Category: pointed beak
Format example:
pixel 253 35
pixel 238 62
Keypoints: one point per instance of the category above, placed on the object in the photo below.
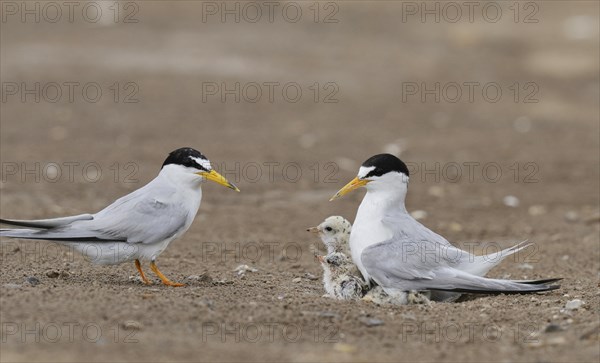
pixel 217 178
pixel 313 229
pixel 354 184
pixel 320 258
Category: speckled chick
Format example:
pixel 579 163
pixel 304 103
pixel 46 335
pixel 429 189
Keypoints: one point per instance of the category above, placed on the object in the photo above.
pixel 341 278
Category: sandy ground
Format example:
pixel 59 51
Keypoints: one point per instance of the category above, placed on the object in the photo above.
pixel 288 158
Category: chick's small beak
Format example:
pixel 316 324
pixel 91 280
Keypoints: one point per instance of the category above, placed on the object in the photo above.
pixel 313 229
pixel 354 184
pixel 217 178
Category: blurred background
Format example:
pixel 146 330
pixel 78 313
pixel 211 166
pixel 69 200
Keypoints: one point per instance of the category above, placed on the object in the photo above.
pixel 494 106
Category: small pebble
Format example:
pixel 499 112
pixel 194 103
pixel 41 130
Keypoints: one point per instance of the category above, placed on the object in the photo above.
pixel 33 281
pixel 242 269
pixel 574 304
pixel 310 276
pixel 205 277
pixel 511 201
pixel 371 321
pixel 296 280
pixel 526 266
pixel 571 216
pixel 328 314
pixel 344 348
pixel 222 282
pixel 52 274
pixel 553 328
pixel 132 325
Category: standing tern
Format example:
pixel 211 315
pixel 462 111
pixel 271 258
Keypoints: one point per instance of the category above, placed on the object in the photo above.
pixel 392 249
pixel 138 226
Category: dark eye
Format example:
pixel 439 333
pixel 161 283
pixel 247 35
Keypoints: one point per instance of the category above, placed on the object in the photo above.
pixel 328 229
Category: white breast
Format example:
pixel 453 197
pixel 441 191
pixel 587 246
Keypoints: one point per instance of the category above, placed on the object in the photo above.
pixel 367 230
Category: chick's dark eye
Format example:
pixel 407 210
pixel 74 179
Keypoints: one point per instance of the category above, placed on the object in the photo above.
pixel 328 229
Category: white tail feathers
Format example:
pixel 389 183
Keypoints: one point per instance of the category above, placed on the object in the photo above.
pixel 484 263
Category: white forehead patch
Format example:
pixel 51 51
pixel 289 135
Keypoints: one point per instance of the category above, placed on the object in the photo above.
pixel 364 170
pixel 205 163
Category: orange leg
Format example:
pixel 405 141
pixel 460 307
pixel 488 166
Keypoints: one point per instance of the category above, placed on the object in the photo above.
pixel 138 265
pixel 164 279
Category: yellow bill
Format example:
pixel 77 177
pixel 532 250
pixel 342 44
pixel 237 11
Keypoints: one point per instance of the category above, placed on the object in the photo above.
pixel 218 178
pixel 354 184
pixel 313 229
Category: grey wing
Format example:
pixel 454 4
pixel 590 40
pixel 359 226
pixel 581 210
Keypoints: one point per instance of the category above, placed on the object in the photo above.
pixel 406 265
pixel 404 226
pixel 135 218
pixel 396 264
pixel 142 219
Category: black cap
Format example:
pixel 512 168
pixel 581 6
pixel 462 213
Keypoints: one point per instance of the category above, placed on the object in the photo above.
pixel 186 156
pixel 385 163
